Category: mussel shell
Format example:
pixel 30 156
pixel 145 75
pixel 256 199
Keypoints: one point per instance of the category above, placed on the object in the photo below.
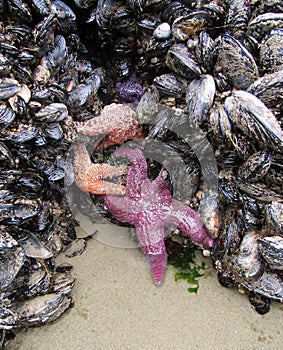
pixel 271 58
pixel 262 24
pixel 8 88
pixel 181 62
pixel 189 25
pixel 54 131
pixel 62 11
pixel 20 133
pixel 20 9
pixel 199 97
pixel 15 214
pixel 269 285
pixel 54 112
pixel 247 263
pixel 7 115
pixel 253 118
pixel 5 65
pixel 205 51
pixel 42 309
pixel 170 84
pixel 271 248
pixel 269 89
pixel 41 7
pixel 11 257
pixel 274 212
pixel 56 55
pixel 32 245
pixel 256 166
pixel 235 62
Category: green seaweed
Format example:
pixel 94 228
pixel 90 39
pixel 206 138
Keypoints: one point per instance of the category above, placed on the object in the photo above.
pixel 187 268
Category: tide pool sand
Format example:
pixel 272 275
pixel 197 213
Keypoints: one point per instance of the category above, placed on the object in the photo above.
pixel 117 306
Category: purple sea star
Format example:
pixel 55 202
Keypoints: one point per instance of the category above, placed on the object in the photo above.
pixel 129 91
pixel 149 206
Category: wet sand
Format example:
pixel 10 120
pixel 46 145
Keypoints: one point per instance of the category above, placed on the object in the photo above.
pixel 117 307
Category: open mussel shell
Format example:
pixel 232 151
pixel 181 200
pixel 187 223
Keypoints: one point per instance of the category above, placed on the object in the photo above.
pixel 32 245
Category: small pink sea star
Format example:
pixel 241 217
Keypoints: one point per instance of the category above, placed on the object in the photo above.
pixel 149 206
pixel 117 121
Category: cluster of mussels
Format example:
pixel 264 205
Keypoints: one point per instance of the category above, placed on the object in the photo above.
pixel 218 64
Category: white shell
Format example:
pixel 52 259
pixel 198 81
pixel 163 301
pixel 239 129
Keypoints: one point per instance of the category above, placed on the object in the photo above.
pixel 163 31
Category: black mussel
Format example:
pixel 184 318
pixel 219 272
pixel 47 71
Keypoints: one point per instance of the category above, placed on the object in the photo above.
pixel 17 213
pixel 136 5
pixel 7 115
pixel 274 213
pixel 181 62
pixel 5 65
pixel 271 59
pixel 53 131
pixel 237 17
pixel 19 9
pixel 170 84
pixel 199 97
pixel 271 248
pixel 205 51
pixel 235 62
pixel 256 166
pixel 8 88
pixel 42 7
pixel 11 257
pixel 260 303
pixel 51 113
pixel 32 245
pixel 255 120
pixel 20 133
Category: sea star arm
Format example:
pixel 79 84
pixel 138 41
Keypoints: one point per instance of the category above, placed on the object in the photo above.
pixel 119 136
pixel 152 244
pixel 137 172
pixel 89 176
pixel 122 209
pixel 187 220
pixel 113 117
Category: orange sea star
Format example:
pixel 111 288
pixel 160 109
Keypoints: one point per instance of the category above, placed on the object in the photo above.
pixel 90 177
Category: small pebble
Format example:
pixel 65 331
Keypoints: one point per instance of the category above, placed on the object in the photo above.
pixel 163 31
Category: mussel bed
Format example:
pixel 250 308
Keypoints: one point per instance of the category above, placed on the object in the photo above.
pixel 215 64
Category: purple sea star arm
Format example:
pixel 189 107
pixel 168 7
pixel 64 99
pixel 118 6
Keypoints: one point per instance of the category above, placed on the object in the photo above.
pixel 122 209
pixel 137 173
pixel 187 220
pixel 160 188
pixel 151 239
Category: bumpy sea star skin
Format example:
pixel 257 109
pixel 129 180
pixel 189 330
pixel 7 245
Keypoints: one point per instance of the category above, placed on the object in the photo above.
pixel 130 91
pixel 149 206
pixel 117 121
pixel 89 176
